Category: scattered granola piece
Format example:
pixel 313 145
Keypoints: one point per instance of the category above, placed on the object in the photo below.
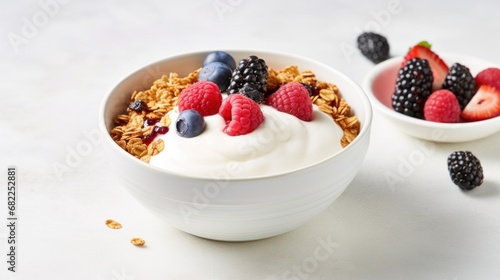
pixel 113 224
pixel 137 241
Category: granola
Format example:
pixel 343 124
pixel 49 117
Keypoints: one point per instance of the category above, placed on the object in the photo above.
pixel 113 224
pixel 130 132
pixel 137 241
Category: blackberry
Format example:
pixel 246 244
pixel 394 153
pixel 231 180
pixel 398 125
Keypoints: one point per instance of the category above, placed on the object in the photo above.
pixel 460 81
pixel 373 46
pixel 465 170
pixel 413 87
pixel 250 72
pixel 138 105
pixel 250 91
pixel 313 91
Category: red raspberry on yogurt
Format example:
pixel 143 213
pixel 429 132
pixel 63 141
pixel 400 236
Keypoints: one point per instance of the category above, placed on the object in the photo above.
pixel 292 98
pixel 203 97
pixel 242 115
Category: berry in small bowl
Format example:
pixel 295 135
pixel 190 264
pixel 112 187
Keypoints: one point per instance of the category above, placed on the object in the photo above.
pixel 412 93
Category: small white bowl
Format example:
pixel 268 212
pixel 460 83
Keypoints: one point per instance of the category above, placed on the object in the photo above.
pixel 236 209
pixel 379 85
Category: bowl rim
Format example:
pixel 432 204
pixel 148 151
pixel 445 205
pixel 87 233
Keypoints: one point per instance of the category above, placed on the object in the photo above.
pixel 365 102
pixel 392 62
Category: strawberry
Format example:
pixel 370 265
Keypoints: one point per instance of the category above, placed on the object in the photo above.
pixel 442 106
pixel 485 104
pixel 489 76
pixel 438 66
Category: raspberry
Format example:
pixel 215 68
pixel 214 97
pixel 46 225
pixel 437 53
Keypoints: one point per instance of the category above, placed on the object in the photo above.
pixel 465 170
pixel 292 98
pixel 242 115
pixel 202 96
pixel 489 76
pixel 442 106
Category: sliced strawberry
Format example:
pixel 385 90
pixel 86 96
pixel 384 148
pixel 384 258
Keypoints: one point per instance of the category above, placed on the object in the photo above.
pixel 485 104
pixel 438 66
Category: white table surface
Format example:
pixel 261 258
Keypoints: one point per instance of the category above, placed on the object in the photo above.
pixel 59 59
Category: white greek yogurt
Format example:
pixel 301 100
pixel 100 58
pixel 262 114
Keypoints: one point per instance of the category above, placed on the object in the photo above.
pixel 282 143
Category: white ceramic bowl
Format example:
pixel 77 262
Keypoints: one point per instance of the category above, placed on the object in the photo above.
pixel 233 209
pixel 379 85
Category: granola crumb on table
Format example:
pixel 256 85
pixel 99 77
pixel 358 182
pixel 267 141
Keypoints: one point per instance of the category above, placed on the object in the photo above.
pixel 113 224
pixel 137 241
pixel 162 97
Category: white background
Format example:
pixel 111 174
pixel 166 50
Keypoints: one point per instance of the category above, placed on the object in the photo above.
pixel 58 60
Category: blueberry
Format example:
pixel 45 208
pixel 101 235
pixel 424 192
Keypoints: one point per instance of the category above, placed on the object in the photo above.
pixel 220 56
pixel 218 73
pixel 190 123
